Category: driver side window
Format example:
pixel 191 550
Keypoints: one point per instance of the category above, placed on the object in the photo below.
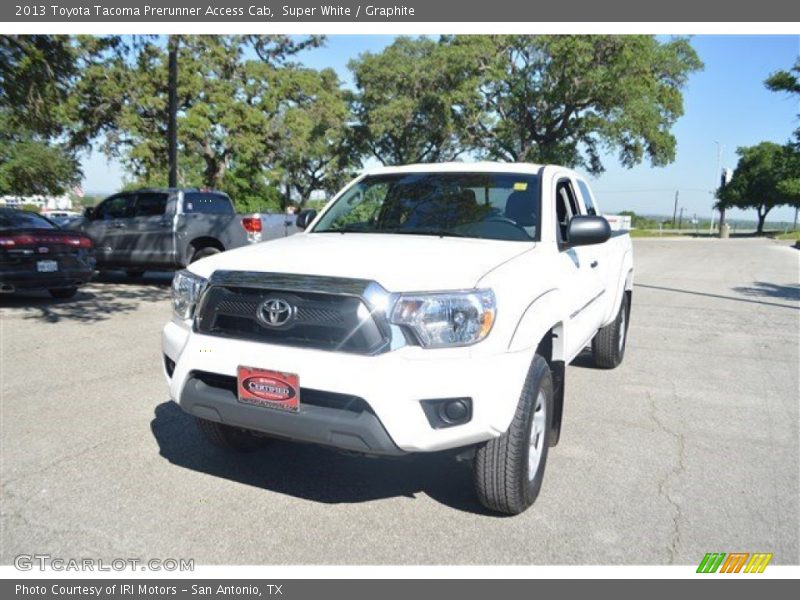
pixel 116 207
pixel 566 208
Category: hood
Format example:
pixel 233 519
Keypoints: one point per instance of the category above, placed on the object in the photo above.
pixel 397 262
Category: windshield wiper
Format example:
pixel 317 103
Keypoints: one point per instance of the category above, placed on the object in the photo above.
pixel 440 231
pixel 345 229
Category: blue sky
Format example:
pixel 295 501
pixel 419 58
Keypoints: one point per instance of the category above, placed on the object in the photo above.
pixel 726 103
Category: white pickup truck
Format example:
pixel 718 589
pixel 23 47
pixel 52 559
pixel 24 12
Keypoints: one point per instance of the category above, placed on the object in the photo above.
pixel 426 308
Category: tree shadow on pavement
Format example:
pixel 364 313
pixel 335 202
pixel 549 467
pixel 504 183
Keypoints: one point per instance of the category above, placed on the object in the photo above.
pixel 315 473
pixel 752 300
pixel 109 295
pixel 763 289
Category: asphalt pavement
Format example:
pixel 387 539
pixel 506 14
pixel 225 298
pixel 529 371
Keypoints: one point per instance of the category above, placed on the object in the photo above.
pixel 691 446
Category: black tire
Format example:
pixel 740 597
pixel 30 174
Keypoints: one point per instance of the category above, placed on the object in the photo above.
pixel 501 469
pixel 134 273
pixel 608 345
pixel 203 253
pixel 230 438
pixel 63 293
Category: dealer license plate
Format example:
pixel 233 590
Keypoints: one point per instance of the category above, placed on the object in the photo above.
pixel 271 389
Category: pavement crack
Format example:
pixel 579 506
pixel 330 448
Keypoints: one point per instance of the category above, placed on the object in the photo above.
pixel 665 482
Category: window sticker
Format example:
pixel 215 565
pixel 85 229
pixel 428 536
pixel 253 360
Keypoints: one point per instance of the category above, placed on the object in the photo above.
pixel 520 186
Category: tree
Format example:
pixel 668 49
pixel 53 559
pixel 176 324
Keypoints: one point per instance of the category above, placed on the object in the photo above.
pixel 316 151
pixel 564 99
pixel 31 167
pixel 763 179
pixel 787 81
pixel 36 76
pixel 228 110
pixel 404 103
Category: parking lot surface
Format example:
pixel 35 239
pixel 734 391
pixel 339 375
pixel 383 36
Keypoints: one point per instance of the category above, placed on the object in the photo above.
pixel 691 446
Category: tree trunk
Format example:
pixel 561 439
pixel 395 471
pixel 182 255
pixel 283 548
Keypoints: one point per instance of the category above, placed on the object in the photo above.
pixel 762 217
pixel 721 219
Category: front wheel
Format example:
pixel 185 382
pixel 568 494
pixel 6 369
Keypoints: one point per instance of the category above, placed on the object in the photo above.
pixel 508 470
pixel 608 345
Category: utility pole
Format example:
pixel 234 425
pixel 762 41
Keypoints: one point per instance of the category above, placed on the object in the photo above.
pixel 718 178
pixel 680 220
pixel 172 123
pixel 675 210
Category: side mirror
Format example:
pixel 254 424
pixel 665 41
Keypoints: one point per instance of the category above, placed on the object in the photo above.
pixel 588 230
pixel 305 218
pixel 88 212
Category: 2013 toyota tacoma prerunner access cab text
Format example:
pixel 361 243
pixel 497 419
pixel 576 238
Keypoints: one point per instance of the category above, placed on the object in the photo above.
pixel 426 308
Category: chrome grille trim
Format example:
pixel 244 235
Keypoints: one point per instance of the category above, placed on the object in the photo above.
pixel 374 297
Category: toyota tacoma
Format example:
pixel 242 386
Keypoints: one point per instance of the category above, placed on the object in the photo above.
pixel 426 308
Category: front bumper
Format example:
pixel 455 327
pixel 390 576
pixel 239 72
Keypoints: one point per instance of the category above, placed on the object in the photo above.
pixel 392 384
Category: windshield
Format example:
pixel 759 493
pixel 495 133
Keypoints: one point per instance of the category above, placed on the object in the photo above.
pixel 497 206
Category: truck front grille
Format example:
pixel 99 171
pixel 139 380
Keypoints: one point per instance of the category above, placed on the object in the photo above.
pixel 319 320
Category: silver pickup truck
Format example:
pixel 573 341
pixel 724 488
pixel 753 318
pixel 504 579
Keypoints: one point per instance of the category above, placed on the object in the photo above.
pixel 168 228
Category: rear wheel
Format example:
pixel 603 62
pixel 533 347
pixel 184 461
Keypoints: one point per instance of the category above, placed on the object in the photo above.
pixel 508 470
pixel 230 438
pixel 204 252
pixel 608 346
pixel 63 293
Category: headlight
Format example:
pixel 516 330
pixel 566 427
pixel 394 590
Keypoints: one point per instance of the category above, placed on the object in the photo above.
pixel 186 288
pixel 447 318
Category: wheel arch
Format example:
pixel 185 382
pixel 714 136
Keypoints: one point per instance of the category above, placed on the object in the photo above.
pixel 551 348
pixel 200 242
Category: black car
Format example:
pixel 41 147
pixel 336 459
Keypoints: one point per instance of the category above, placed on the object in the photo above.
pixel 36 254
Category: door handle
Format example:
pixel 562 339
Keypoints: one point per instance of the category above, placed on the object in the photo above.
pixel 119 226
pixel 593 264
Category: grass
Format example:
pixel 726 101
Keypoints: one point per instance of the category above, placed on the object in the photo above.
pixel 791 235
pixel 654 233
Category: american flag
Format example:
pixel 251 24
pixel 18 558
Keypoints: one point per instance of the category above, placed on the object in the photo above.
pixel 78 190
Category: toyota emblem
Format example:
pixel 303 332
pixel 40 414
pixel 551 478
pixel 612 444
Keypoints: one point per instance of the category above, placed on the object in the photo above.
pixel 275 312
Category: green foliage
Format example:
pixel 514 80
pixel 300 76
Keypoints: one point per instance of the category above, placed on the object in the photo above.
pixel 235 114
pixel 638 221
pixel 766 176
pixel 404 103
pixel 787 81
pixel 563 99
pixel 31 207
pixel 315 151
pixel 30 166
pixel 36 75
pixel 270 132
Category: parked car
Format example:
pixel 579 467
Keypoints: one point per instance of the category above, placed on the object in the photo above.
pixel 170 228
pixel 36 254
pixel 427 308
pixel 60 217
